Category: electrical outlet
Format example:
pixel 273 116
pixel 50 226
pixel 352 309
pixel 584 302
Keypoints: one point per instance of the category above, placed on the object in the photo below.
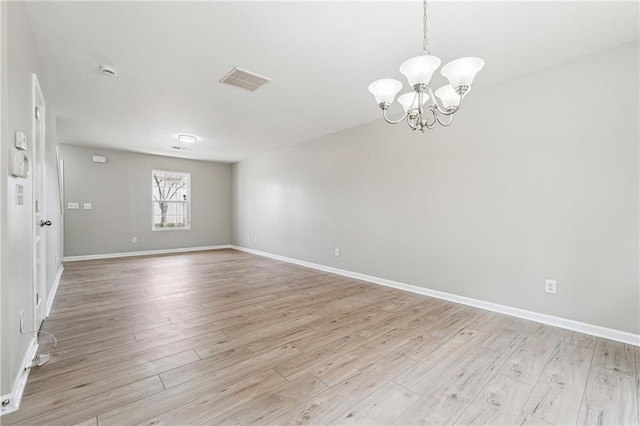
pixel 256 239
pixel 87 206
pixel 73 206
pixel 134 240
pixel 248 238
pixel 550 286
pixel 22 321
pixel 337 252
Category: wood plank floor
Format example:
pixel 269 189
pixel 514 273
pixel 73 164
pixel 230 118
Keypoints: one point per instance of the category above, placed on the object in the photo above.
pixel 225 337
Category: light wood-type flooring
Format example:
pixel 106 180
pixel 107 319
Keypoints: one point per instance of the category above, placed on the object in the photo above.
pixel 225 337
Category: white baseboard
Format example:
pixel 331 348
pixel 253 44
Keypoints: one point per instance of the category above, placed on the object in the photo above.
pixel 54 289
pixel 142 253
pixel 20 381
pixel 22 375
pixel 594 330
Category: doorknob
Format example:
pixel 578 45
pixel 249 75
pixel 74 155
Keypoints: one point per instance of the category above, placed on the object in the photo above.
pixel 45 223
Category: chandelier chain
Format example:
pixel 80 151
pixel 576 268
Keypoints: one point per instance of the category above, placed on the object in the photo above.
pixel 425 51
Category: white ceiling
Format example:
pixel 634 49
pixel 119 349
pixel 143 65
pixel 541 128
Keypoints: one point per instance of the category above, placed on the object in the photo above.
pixel 321 56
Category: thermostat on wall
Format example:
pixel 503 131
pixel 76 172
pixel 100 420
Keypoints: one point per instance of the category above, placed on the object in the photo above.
pixel 21 141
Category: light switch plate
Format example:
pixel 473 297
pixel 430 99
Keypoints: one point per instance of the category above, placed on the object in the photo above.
pixel 19 165
pixel 21 141
pixel 87 206
pixel 73 206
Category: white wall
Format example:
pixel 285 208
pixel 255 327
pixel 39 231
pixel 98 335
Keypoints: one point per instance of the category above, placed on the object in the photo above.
pixel 120 194
pixel 537 178
pixel 19 61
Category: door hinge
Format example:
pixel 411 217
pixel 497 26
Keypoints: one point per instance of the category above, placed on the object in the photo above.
pixel 37 113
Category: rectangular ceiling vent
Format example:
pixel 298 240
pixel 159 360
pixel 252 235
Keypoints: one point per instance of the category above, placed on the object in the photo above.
pixel 244 79
pixel 181 148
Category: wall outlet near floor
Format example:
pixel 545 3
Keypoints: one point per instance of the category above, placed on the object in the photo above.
pixel 337 252
pixel 248 237
pixel 550 286
pixel 21 320
pixel 256 239
pixel 134 240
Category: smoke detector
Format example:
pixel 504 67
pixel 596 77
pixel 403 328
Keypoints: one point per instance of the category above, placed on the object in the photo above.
pixel 108 71
pixel 244 79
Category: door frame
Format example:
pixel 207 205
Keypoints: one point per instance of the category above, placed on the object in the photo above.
pixel 38 132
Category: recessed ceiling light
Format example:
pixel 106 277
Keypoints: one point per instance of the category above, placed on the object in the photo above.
pixel 187 138
pixel 108 71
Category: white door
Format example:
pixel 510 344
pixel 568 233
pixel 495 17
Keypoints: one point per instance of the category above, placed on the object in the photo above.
pixel 40 220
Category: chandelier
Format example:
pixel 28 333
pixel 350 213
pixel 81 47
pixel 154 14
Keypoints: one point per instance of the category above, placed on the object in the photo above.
pixel 421 109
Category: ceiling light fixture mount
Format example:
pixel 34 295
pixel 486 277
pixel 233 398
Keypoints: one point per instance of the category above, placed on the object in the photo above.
pixel 187 138
pixel 422 110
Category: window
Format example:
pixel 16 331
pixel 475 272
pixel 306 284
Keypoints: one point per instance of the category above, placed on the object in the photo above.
pixel 171 200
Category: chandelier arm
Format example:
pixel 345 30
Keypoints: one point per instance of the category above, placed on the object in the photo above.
pixel 434 115
pixel 384 115
pixel 445 123
pixel 451 110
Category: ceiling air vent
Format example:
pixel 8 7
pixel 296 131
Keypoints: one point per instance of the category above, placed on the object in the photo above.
pixel 181 148
pixel 244 79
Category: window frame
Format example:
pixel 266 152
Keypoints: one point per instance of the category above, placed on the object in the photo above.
pixel 155 202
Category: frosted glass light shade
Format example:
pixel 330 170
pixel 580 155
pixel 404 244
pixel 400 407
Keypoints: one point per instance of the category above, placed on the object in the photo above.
pixel 385 90
pixel 448 96
pixel 461 72
pixel 409 101
pixel 420 69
